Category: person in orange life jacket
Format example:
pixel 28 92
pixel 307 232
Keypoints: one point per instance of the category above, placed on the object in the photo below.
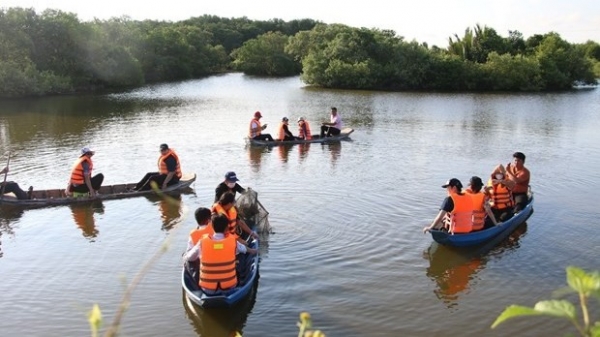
pixel 284 132
pixel 519 174
pixel 334 126
pixel 499 188
pixel 481 204
pixel 225 205
pixel 203 228
pixel 217 255
pixel 255 130
pixel 456 210
pixel 169 171
pixel 13 187
pixel 81 180
pixel 228 185
pixel 303 129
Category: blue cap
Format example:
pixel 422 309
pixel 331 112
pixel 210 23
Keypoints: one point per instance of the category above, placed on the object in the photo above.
pixel 231 176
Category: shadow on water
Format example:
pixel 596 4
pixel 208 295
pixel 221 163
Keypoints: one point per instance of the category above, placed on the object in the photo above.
pixel 8 216
pixel 84 217
pixel 220 322
pixel 171 212
pixel 455 269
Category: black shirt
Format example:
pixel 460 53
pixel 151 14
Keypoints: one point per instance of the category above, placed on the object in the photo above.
pixel 447 205
pixel 222 188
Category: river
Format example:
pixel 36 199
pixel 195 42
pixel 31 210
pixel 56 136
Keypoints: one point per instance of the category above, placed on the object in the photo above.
pixel 347 217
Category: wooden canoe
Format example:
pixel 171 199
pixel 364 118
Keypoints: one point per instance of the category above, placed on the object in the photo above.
pixel 53 197
pixel 485 235
pixel 344 134
pixel 229 298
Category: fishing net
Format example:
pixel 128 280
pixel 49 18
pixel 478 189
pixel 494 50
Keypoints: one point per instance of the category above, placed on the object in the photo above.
pixel 253 212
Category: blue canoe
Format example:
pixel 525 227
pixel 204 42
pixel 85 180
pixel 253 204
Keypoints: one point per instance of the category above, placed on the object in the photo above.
pixel 479 237
pixel 226 298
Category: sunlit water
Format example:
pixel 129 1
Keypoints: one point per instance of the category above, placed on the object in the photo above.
pixel 348 245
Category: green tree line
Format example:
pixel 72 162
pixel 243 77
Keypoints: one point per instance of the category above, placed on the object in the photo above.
pixel 54 52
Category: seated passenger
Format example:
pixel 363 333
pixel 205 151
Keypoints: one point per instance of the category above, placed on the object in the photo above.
pixel 13 187
pixel 481 204
pixel 255 131
pixel 236 226
pixel 204 228
pixel 456 212
pixel 500 191
pixel 284 130
pixel 519 174
pixel 304 129
pixel 217 254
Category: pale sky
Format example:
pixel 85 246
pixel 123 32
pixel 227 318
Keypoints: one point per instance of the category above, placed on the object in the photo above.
pixel 431 21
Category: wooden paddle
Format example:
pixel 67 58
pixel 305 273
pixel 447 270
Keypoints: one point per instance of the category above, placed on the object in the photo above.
pixel 5 175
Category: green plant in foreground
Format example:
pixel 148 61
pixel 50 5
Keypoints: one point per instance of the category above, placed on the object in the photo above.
pixel 305 325
pixel 585 284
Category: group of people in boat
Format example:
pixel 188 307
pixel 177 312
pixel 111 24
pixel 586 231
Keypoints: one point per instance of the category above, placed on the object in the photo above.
pixel 328 129
pixel 219 246
pixel 82 181
pixel 479 207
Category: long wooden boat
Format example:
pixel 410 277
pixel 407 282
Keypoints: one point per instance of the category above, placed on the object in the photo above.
pixel 485 235
pixel 53 197
pixel 344 134
pixel 228 298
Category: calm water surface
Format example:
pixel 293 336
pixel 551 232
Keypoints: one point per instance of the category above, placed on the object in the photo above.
pixel 347 217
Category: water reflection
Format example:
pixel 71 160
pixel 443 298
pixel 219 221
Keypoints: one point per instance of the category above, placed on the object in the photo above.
pixel 454 270
pixel 8 216
pixel 170 210
pixel 303 151
pixel 255 155
pixel 335 151
pixel 284 152
pixel 84 217
pixel 220 322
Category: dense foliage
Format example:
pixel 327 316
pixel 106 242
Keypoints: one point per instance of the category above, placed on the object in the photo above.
pixel 54 52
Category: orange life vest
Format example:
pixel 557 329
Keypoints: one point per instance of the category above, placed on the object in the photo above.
pixel 197 234
pixel 281 135
pixel 217 264
pixel 231 215
pixel 254 132
pixel 478 208
pixel 162 165
pixel 304 130
pixel 460 219
pixel 501 196
pixel 77 170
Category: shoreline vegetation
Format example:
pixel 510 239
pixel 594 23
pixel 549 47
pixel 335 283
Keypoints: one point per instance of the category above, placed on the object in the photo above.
pixel 53 52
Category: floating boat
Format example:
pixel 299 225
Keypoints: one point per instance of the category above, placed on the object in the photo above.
pixel 246 282
pixel 485 235
pixel 53 197
pixel 344 134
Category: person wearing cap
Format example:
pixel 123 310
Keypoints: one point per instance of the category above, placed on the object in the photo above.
pixel 303 129
pixel 169 171
pixel 81 180
pixel 226 205
pixel 228 185
pixel 481 204
pixel 284 130
pixel 13 187
pixel 255 130
pixel 519 174
pixel 499 188
pixel 456 212
pixel 334 126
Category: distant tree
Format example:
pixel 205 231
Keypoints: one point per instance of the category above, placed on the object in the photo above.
pixel 266 56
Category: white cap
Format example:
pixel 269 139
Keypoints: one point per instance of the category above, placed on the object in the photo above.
pixel 86 150
pixel 300 118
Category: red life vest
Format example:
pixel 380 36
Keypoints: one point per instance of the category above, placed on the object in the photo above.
pixel 77 170
pixel 217 264
pixel 162 165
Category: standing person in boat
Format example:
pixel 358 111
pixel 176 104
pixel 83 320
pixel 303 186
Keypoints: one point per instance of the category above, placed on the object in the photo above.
pixel 226 206
pixel 481 205
pixel 303 129
pixel 456 211
pixel 255 130
pixel 334 126
pixel 81 175
pixel 169 171
pixel 284 132
pixel 13 187
pixel 519 174
pixel 228 185
pixel 217 255
pixel 499 188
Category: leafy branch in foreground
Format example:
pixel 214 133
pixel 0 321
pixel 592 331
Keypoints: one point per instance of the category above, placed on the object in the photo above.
pixel 586 285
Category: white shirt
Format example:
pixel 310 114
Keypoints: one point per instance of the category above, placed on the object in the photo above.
pixel 196 251
pixel 337 120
